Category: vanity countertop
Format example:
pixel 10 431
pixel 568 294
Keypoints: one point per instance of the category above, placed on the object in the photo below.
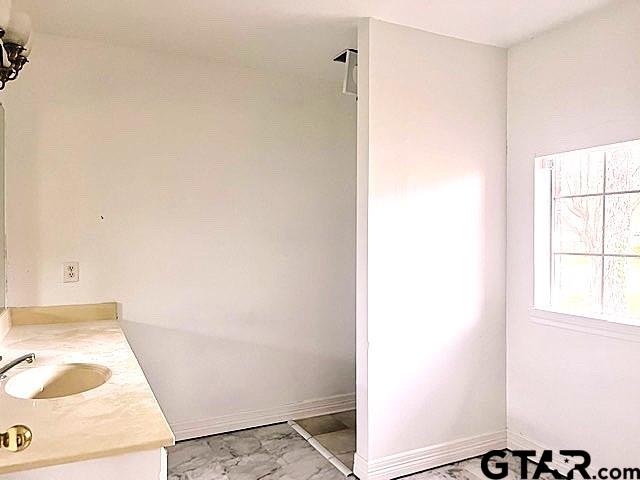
pixel 119 417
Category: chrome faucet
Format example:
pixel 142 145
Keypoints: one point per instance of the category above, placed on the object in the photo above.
pixel 29 358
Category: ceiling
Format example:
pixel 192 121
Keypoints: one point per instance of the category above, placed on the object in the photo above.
pixel 300 35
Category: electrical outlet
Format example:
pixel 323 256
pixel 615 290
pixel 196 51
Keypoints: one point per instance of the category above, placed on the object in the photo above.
pixel 71 272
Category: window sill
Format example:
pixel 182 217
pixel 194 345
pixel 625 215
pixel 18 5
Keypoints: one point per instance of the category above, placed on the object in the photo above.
pixel 589 325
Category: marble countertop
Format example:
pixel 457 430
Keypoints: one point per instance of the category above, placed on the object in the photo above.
pixel 121 416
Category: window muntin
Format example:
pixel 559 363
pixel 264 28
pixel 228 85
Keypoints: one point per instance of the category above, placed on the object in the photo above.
pixel 588 247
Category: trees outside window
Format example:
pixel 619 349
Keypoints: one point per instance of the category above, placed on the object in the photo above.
pixel 593 201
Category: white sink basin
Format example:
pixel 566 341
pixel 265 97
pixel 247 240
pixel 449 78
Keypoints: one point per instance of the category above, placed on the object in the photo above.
pixel 55 381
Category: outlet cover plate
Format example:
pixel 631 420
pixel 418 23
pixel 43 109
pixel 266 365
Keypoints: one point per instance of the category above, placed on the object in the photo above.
pixel 71 272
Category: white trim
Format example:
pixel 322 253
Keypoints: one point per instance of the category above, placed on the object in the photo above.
pixel 255 418
pixel 414 461
pixel 336 462
pixel 360 468
pixel 301 431
pixel 584 324
pixel 516 441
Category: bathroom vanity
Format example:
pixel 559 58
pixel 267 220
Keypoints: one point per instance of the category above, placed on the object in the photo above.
pixel 85 399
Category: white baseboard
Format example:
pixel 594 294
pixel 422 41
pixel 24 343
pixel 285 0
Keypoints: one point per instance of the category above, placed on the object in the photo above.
pixel 415 461
pixel 256 418
pixel 516 441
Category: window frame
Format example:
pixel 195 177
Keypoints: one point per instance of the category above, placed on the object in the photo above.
pixel 545 198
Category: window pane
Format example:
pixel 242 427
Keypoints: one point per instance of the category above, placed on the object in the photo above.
pixel 623 168
pixel 577 283
pixel 578 225
pixel 622 234
pixel 622 287
pixel 578 173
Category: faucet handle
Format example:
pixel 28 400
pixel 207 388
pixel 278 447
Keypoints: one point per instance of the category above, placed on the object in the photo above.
pixel 16 438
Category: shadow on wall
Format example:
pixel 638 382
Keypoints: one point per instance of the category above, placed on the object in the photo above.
pixel 205 376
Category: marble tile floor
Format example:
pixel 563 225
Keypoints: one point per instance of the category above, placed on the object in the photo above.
pixel 275 452
pixel 470 470
pixel 278 452
pixel 334 436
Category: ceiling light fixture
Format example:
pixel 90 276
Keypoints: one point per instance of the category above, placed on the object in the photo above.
pixel 15 42
pixel 350 58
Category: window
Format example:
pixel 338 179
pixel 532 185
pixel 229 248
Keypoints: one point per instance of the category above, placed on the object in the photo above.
pixel 587 232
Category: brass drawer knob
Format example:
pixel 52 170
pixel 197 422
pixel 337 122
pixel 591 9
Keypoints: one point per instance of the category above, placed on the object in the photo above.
pixel 16 438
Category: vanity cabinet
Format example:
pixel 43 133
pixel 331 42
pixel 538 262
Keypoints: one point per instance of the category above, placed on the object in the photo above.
pixel 146 465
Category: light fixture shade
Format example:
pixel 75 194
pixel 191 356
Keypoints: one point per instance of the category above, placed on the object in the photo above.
pixel 27 48
pixel 350 84
pixel 5 13
pixel 19 31
pixel 4 57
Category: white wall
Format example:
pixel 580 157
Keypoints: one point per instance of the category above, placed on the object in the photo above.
pixel 3 259
pixel 573 87
pixel 362 240
pixel 433 130
pixel 216 204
